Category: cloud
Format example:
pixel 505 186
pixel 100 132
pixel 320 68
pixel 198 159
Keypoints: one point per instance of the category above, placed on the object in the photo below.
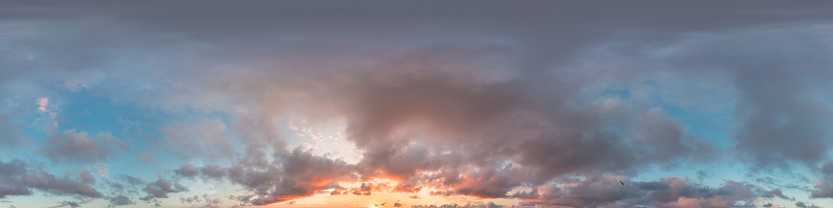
pixel 205 139
pixel 779 109
pixel 73 146
pixel 208 172
pixel 161 188
pixel 10 133
pixel 803 205
pixel 73 204
pixel 776 193
pixel 666 192
pixel 463 107
pixel 19 178
pixel 404 110
pixel 130 179
pixel 120 200
pixel 488 205
pixel 823 188
pixel 187 170
pixel 301 174
pixel 42 104
pixel 199 199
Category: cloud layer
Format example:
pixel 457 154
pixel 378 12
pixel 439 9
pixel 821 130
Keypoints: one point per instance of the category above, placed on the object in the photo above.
pixel 550 105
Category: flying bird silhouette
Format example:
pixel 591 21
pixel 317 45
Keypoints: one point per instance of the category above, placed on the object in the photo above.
pixel 622 183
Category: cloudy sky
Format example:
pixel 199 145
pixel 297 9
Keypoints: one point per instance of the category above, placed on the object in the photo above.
pixel 416 103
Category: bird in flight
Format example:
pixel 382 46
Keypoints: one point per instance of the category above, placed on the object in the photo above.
pixel 622 183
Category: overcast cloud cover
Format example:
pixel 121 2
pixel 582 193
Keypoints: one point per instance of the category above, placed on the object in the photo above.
pixel 416 103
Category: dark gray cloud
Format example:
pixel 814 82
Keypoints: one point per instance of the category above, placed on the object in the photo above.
pixel 19 178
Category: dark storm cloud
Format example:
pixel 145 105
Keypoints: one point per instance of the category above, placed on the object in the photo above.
pixel 19 178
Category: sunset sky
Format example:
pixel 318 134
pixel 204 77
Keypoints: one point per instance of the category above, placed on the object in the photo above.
pixel 416 104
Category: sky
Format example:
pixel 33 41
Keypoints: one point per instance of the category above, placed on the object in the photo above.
pixel 372 104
